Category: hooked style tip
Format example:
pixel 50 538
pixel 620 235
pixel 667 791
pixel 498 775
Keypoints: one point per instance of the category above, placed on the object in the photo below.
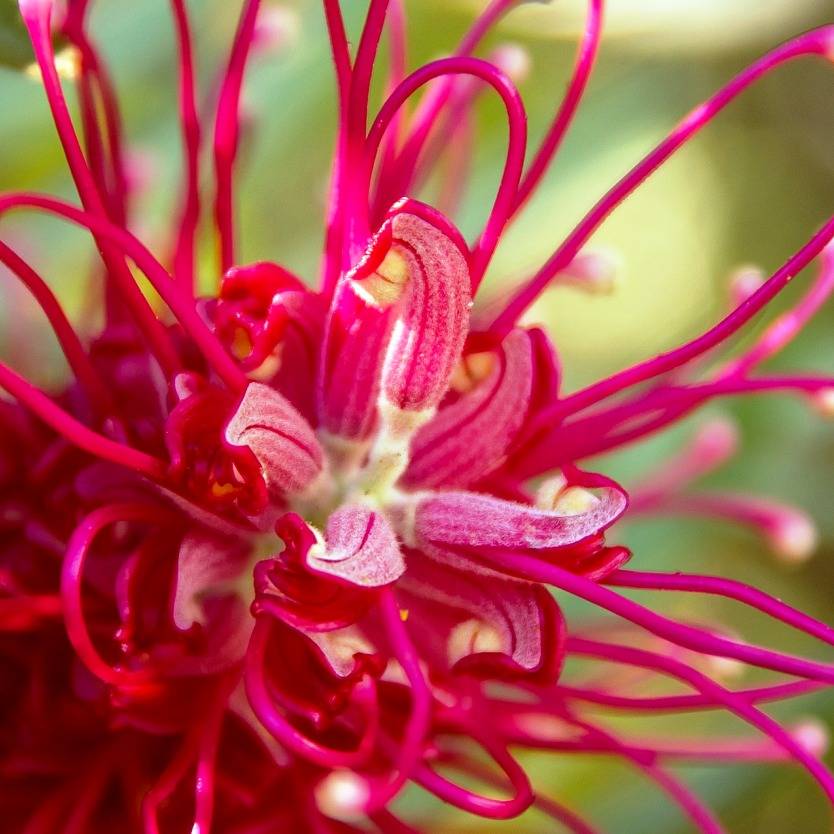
pixel 342 795
pixel 597 270
pixel 813 736
pixel 795 538
pixel 744 281
pixel 514 61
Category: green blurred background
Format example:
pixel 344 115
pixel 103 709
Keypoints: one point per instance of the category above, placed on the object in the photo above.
pixel 750 189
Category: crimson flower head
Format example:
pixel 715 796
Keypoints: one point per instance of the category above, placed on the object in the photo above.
pixel 277 553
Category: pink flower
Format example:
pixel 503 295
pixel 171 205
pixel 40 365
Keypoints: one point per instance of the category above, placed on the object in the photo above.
pixel 265 561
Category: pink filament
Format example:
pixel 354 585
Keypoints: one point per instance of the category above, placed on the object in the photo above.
pixel 547 806
pixel 227 132
pixel 204 788
pixel 283 731
pixel 484 806
pixel 707 687
pixel 190 125
pixel 712 337
pixel 815 42
pixel 410 749
pixel 719 586
pixel 396 74
pixel 551 444
pixel 353 193
pixel 173 774
pixel 683 703
pixel 67 337
pixel 332 265
pixel 650 749
pixel 585 59
pixel 77 433
pixel 71 579
pixel 37 22
pixel 172 293
pixel 678 633
pixel 687 801
pixel 399 178
pixel 517 122
pixel 789 324
pixel 112 123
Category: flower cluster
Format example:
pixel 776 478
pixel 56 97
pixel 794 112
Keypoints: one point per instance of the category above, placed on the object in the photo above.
pixel 270 558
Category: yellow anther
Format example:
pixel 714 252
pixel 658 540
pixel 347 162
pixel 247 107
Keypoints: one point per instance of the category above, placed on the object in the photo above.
pixel 555 494
pixel 222 490
pixel 472 370
pixel 241 343
pixel 575 501
pixel 387 283
pixel 473 636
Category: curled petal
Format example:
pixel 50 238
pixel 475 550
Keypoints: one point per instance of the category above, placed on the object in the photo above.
pixel 475 520
pixel 469 437
pixel 273 324
pixel 356 340
pixel 360 549
pixel 252 287
pixel 280 438
pixel 204 470
pixel 287 590
pixel 482 624
pixel 207 563
pixel 317 586
pixel 417 265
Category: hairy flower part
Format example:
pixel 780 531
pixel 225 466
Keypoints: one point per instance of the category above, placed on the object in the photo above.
pixel 483 624
pixel 283 442
pixel 416 265
pixel 275 555
pixel 470 435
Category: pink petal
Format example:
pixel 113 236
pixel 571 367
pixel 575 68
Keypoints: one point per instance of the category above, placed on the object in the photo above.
pixel 355 346
pixel 206 565
pixel 417 265
pixel 360 549
pixel 280 438
pixel 469 437
pixel 481 624
pixel 317 587
pixel 475 520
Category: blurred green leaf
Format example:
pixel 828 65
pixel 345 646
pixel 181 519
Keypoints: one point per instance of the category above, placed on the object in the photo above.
pixel 15 50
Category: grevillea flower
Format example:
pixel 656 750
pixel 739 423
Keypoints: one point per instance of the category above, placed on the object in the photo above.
pixel 277 553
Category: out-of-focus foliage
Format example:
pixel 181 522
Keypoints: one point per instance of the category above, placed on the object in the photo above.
pixel 750 188
pixel 14 47
pixel 696 26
